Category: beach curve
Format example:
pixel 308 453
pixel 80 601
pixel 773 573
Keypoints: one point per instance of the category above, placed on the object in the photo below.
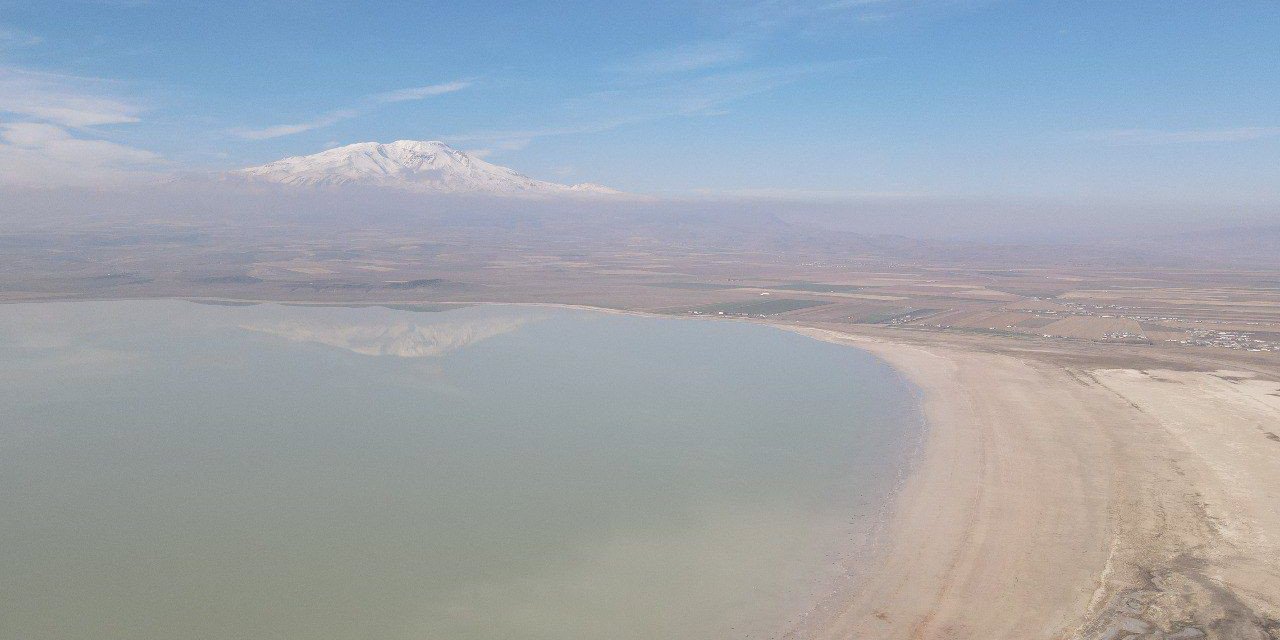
pixel 1057 500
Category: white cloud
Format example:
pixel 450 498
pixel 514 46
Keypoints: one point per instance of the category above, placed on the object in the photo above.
pixel 1156 136
pixel 34 154
pixel 632 103
pixel 281 130
pixel 516 139
pixel 47 137
pixel 831 18
pixel 853 4
pixel 685 58
pixel 418 93
pixel 334 117
pixel 32 134
pixel 12 39
pixel 71 101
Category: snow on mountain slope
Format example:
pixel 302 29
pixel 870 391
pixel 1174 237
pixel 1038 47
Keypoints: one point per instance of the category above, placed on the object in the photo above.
pixel 408 164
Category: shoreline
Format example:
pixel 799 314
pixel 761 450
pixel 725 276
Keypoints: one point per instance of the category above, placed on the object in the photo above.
pixel 1054 500
pixel 960 532
pixel 1060 494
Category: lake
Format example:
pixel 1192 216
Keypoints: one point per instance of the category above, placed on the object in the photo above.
pixel 179 470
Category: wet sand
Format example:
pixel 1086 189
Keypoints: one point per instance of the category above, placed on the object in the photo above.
pixel 1058 500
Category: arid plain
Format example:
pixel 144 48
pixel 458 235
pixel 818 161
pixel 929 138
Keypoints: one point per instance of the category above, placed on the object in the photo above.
pixel 1103 458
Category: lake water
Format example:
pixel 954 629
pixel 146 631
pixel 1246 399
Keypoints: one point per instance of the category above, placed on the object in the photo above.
pixel 172 470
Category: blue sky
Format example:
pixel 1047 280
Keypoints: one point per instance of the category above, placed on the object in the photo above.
pixel 1158 101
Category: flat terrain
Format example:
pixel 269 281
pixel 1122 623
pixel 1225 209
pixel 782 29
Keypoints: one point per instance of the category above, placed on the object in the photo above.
pixel 744 268
pixel 1104 453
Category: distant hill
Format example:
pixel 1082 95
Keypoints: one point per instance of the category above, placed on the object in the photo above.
pixel 427 166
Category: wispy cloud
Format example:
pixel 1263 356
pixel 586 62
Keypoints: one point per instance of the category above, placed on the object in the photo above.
pixel 514 139
pixel 418 93
pixel 855 4
pixel 694 56
pixel 47 135
pixel 822 14
pixel 703 95
pixel 280 130
pixel 44 155
pixel 366 104
pixel 833 18
pixel 1184 136
pixel 698 78
pixel 123 3
pixel 72 101
pixel 12 39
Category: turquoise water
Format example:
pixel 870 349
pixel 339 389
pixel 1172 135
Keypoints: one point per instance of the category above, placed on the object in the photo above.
pixel 171 470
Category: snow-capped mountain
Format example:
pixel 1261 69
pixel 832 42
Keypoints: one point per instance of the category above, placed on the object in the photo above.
pixel 430 166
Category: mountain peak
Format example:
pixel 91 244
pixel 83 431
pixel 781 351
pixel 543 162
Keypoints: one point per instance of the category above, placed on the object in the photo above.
pixel 418 165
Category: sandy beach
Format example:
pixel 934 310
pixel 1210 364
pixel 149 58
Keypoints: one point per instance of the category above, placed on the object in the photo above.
pixel 1055 499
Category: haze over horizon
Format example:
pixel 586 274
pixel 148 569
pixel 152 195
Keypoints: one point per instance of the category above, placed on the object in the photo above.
pixel 1013 113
